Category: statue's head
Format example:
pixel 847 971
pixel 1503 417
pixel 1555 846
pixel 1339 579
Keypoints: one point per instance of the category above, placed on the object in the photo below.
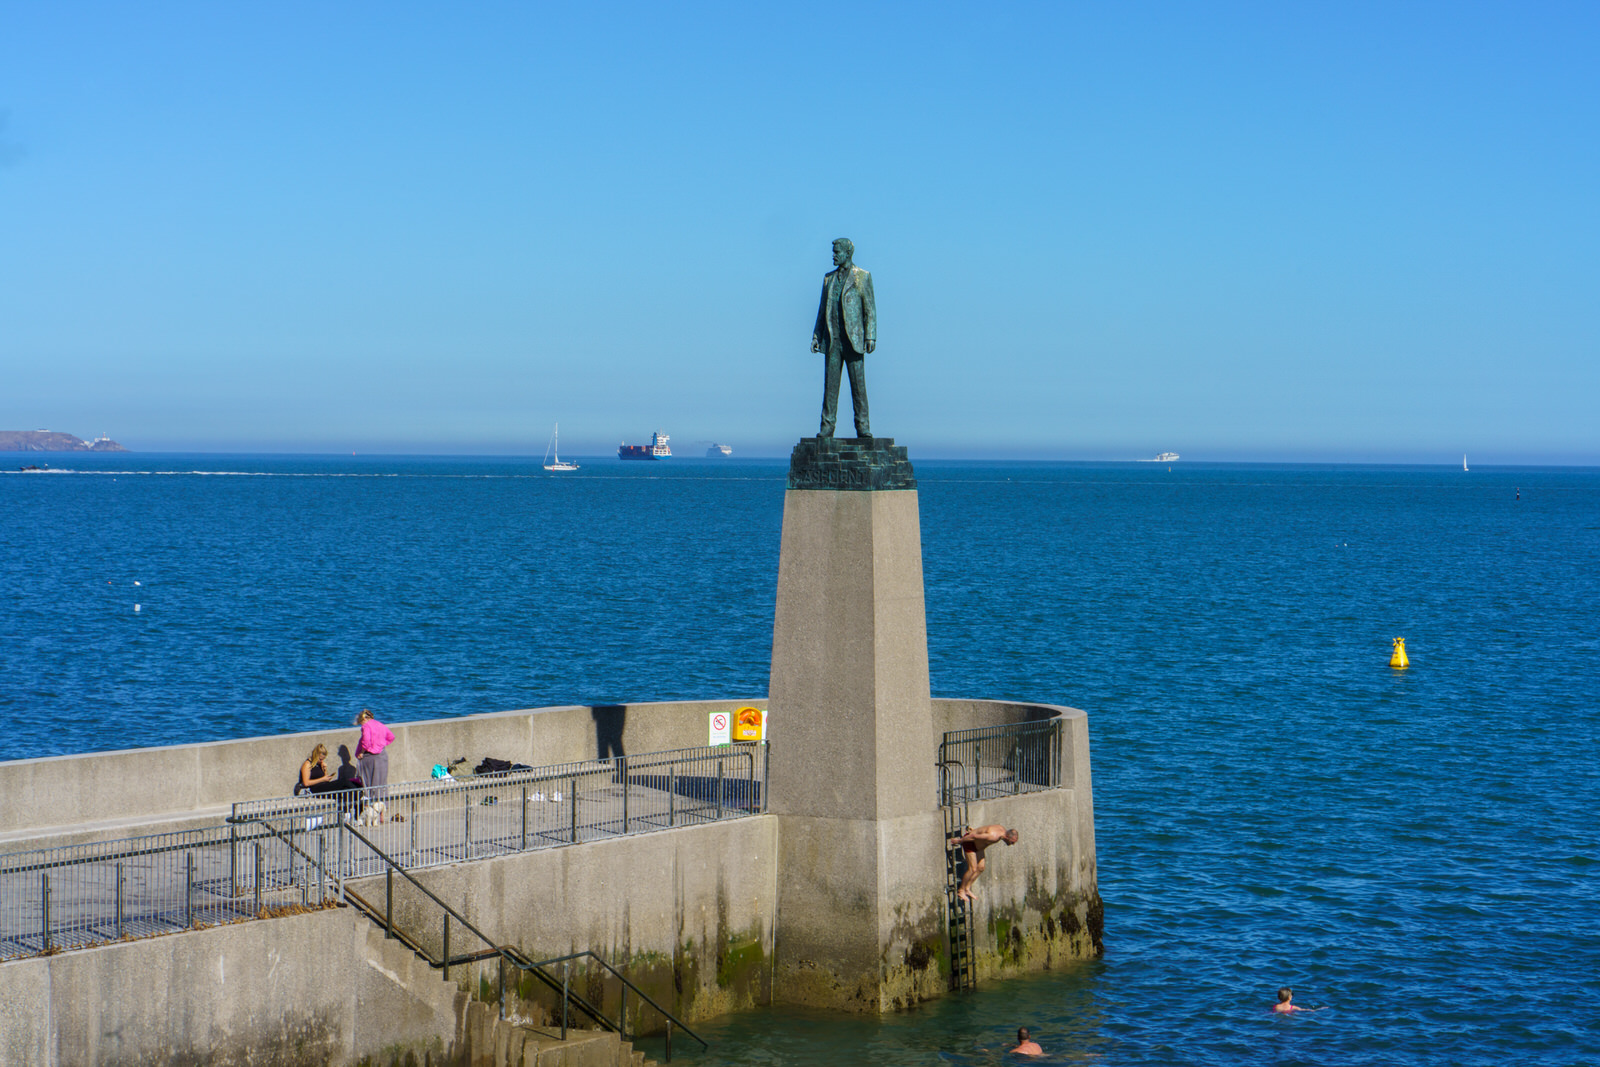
pixel 843 249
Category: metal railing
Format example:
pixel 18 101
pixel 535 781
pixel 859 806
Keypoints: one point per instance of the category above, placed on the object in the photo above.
pixel 75 896
pixel 999 761
pixel 504 954
pixel 439 822
pixel 289 851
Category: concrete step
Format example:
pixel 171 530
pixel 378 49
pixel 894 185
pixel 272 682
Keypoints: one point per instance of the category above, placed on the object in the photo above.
pixel 632 1057
pixel 494 1042
pixel 533 1046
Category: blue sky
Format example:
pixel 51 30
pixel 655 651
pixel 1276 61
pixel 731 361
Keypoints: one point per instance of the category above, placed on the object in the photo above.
pixel 1237 231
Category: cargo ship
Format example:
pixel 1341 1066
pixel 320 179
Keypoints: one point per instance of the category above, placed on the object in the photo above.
pixel 656 449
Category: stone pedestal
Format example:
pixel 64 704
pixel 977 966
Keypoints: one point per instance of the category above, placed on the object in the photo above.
pixel 852 777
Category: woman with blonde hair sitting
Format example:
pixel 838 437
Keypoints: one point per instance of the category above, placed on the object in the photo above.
pixel 314 774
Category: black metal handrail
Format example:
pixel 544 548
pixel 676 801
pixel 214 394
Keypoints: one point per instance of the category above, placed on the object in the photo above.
pixel 506 954
pixel 1003 760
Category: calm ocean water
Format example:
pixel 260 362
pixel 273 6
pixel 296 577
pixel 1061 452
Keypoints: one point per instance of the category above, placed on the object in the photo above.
pixel 1274 805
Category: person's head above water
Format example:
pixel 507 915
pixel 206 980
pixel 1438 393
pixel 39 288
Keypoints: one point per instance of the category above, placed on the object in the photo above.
pixel 1025 1044
pixel 1285 995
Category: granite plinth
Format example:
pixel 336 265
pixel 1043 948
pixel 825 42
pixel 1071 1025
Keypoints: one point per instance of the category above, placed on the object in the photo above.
pixel 862 464
pixel 861 841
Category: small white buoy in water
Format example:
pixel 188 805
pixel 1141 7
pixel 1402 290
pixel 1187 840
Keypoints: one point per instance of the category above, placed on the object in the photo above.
pixel 136 607
pixel 138 583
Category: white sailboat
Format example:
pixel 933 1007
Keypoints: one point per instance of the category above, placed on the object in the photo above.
pixel 554 448
pixel 1463 461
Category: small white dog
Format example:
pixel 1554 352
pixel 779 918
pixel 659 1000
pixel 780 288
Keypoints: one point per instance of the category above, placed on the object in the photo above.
pixel 372 814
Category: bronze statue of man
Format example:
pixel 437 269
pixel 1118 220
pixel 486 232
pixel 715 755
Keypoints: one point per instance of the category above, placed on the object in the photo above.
pixel 847 329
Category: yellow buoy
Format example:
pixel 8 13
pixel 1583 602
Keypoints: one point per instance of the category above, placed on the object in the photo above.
pixel 1399 660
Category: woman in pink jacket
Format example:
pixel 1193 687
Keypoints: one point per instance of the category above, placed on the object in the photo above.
pixel 371 757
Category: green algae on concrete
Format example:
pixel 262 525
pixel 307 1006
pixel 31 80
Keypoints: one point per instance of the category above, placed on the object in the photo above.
pixel 739 960
pixel 1025 940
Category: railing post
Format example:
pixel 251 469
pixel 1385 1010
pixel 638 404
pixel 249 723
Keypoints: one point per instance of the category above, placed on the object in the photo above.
pixel 411 857
pixel 388 903
pixel 1058 753
pixel 341 858
pixel 120 884
pixel 566 978
pixel 261 872
pixel 719 788
pixel 466 822
pixel 622 765
pixel 672 794
pixel 447 946
pixel 188 888
pixel 524 817
pixel 233 860
pixel 766 766
pixel 572 795
pixel 322 865
pixel 45 909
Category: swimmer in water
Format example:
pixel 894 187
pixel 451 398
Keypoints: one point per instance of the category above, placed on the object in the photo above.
pixel 973 843
pixel 1026 1046
pixel 1286 1003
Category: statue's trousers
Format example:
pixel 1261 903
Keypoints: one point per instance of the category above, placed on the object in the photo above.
pixel 841 352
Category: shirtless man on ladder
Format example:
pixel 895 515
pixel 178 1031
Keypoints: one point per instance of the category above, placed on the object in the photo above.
pixel 973 844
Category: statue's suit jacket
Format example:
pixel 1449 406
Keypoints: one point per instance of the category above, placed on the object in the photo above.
pixel 860 313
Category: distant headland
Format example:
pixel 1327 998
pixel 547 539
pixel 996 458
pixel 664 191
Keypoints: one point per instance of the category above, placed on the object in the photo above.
pixel 51 441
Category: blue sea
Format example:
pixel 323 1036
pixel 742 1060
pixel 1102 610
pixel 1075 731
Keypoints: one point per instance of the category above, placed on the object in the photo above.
pixel 1413 850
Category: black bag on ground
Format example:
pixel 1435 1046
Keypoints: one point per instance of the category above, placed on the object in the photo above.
pixel 490 765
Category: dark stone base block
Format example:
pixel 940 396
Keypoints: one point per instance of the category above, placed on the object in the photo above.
pixel 859 463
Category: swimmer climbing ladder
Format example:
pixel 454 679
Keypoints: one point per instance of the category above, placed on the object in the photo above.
pixel 958 913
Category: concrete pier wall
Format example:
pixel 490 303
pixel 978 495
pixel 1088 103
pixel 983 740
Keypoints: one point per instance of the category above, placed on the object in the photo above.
pixel 687 914
pixel 313 989
pixel 102 795
pixel 132 786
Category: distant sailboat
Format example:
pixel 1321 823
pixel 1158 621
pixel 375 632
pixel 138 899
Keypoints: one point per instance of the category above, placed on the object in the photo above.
pixel 1463 461
pixel 554 448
